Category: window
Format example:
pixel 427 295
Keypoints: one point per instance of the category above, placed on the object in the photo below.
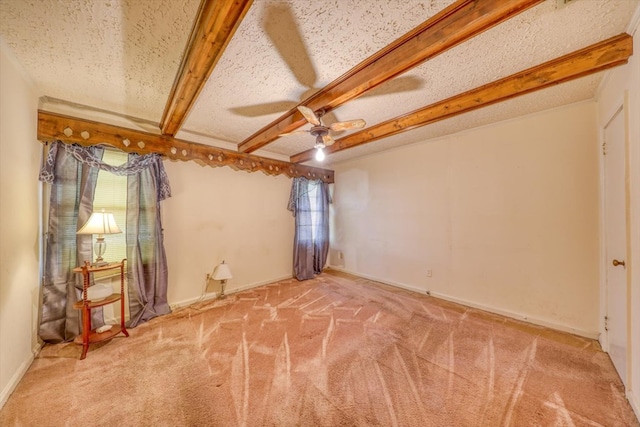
pixel 309 213
pixel 111 195
pixel 310 203
pixel 316 210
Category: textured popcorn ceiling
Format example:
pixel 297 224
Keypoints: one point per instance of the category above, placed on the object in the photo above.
pixel 122 56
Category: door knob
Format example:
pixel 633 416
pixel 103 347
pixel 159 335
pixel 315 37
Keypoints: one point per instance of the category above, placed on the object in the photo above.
pixel 617 263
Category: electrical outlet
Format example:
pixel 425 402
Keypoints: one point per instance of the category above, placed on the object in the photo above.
pixel 429 273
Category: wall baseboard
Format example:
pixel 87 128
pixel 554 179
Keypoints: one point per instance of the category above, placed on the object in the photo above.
pixel 634 401
pixel 262 283
pixel 213 295
pixel 17 377
pixel 518 316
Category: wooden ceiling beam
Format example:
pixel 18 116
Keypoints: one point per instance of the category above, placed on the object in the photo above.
pixel 214 27
pixel 598 57
pixel 457 23
pixel 52 127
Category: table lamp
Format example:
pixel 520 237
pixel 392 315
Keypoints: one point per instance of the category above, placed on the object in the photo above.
pixel 100 223
pixel 222 273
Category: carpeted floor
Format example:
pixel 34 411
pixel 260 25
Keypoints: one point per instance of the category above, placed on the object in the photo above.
pixel 333 351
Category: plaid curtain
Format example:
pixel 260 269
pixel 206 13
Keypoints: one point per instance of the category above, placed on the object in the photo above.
pixel 72 171
pixel 309 202
pixel 71 201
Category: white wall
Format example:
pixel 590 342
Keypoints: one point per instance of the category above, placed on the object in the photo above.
pixel 214 214
pixel 218 214
pixel 19 219
pixel 612 93
pixel 505 216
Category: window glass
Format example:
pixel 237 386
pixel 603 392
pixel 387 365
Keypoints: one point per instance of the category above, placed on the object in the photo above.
pixel 315 209
pixel 111 195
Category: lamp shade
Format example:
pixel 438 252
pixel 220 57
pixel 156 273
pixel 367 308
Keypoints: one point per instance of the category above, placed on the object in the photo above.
pixel 100 223
pixel 222 272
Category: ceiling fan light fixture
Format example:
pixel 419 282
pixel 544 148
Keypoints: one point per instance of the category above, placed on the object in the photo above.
pixel 322 132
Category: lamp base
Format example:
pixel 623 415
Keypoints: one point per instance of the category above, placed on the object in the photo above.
pixel 222 295
pixel 99 248
pixel 99 263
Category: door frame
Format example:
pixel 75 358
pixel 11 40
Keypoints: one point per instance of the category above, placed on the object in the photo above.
pixel 621 104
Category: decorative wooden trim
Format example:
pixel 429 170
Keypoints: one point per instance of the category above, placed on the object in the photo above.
pixel 598 57
pixel 52 127
pixel 215 25
pixel 457 23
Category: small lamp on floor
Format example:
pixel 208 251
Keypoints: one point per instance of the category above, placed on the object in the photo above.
pixel 222 273
pixel 100 223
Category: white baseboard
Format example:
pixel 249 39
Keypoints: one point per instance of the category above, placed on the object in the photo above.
pixel 257 284
pixel 634 401
pixel 213 295
pixel 518 316
pixel 15 380
pixel 594 335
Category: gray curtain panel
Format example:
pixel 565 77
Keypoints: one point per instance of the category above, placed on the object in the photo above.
pixel 73 185
pixel 309 202
pixel 321 236
pixel 147 260
pixel 72 171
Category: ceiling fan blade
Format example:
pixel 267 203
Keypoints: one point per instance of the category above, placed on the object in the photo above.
pixel 283 31
pixel 349 124
pixel 328 140
pixel 309 115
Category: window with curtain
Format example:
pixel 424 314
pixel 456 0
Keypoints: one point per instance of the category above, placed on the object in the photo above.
pixel 73 173
pixel 309 203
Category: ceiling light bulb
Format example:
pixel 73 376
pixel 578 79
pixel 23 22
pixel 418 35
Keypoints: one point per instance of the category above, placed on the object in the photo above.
pixel 319 155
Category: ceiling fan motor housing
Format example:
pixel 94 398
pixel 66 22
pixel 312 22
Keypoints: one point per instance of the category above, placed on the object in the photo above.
pixel 319 131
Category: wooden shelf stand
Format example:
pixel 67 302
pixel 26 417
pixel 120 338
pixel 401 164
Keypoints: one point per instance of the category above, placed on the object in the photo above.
pixel 89 335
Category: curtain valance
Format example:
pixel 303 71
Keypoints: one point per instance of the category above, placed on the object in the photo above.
pixel 301 186
pixel 85 155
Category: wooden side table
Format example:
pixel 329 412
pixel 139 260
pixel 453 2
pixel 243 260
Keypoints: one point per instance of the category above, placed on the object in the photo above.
pixel 89 335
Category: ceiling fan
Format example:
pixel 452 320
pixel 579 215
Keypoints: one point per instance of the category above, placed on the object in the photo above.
pixel 321 131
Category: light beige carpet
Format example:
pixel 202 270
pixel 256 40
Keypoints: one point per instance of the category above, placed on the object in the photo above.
pixel 333 351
